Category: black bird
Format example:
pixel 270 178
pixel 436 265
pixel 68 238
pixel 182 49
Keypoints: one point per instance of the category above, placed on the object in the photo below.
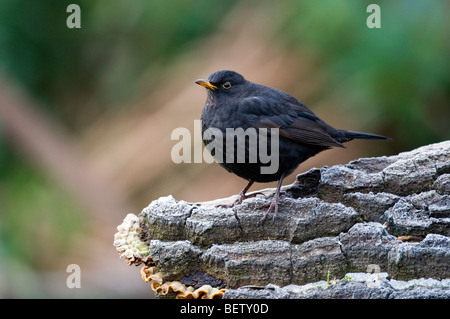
pixel 233 102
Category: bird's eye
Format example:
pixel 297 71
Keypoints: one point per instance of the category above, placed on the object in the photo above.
pixel 226 85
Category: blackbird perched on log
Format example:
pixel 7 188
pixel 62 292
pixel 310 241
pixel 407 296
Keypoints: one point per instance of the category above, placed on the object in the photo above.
pixel 235 108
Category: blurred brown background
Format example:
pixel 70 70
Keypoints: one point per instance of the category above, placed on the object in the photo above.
pixel 86 114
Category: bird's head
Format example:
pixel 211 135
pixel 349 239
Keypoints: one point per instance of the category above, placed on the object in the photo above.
pixel 223 83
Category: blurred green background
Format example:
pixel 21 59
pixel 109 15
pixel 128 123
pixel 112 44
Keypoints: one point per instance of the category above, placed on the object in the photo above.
pixel 86 114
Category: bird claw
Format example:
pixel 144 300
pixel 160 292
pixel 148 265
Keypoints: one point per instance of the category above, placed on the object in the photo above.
pixel 238 201
pixel 273 206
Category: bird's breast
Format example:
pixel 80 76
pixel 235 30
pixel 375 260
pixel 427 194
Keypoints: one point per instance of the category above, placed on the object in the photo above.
pixel 223 117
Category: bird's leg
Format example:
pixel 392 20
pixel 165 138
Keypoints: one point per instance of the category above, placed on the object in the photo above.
pixel 273 203
pixel 242 195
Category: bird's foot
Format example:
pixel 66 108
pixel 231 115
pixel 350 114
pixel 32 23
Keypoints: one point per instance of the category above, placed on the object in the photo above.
pixel 239 200
pixel 273 206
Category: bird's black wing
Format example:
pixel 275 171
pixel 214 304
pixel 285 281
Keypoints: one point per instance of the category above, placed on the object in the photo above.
pixel 293 119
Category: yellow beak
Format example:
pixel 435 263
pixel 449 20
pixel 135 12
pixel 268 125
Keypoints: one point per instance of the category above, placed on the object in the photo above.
pixel 206 84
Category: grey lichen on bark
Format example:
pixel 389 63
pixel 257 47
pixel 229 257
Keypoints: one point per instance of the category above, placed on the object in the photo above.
pixel 390 215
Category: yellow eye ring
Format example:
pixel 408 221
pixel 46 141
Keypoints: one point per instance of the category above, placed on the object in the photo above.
pixel 226 85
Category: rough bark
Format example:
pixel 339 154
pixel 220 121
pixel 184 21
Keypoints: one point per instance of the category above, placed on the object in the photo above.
pixel 336 225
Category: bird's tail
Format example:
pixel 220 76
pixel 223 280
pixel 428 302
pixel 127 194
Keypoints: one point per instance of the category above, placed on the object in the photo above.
pixel 350 135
